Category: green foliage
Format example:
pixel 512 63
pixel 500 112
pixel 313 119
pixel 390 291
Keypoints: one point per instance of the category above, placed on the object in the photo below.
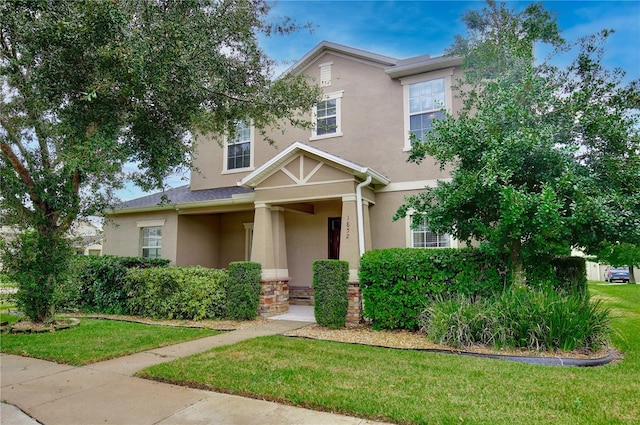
pixel 541 157
pixel 243 290
pixel 174 292
pixel 397 283
pixel 571 274
pixel 330 291
pixel 91 85
pixel 38 263
pixel 534 319
pixel 96 283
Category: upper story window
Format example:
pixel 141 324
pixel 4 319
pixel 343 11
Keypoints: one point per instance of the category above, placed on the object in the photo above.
pixel 238 147
pixel 422 237
pixel 327 116
pixel 425 97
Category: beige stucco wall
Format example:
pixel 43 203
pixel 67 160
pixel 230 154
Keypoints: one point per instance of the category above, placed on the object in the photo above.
pixel 372 126
pixel 386 233
pixel 232 235
pixel 307 240
pixel 122 236
pixel 198 240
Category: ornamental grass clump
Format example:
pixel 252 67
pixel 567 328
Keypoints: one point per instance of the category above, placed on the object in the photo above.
pixel 519 318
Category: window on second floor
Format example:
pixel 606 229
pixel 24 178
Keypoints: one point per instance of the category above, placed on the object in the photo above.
pixel 426 100
pixel 327 116
pixel 238 147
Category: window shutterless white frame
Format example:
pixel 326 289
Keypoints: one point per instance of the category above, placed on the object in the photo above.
pixel 242 140
pixel 151 242
pixel 427 103
pixel 423 238
pixel 327 110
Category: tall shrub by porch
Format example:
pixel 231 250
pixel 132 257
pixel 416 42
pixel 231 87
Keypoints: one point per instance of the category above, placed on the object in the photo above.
pixel 330 286
pixel 243 290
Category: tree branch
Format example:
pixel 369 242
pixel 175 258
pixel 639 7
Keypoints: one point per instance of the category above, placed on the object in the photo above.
pixel 23 173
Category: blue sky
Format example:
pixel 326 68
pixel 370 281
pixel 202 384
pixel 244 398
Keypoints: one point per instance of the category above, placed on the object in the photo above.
pixel 402 29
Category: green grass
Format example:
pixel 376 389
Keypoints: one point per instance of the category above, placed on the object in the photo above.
pixel 427 388
pixel 96 340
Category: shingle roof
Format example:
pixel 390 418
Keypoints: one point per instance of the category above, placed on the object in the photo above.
pixel 183 195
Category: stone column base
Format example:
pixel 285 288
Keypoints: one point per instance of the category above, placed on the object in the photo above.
pixel 354 310
pixel 274 297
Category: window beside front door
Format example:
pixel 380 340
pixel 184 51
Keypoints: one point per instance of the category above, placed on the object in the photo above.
pixel 422 237
pixel 334 237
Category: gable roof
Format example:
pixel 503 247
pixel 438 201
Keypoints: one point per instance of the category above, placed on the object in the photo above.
pixel 274 164
pixel 395 68
pixel 327 46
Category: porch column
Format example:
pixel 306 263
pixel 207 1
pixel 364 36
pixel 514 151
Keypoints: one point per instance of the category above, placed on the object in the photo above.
pixel 279 241
pixel 270 250
pixel 262 247
pixel 349 250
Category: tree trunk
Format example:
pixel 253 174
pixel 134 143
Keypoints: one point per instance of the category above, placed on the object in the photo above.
pixel 517 266
pixel 632 276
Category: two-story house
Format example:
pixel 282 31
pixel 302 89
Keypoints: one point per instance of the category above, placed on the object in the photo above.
pixel 330 192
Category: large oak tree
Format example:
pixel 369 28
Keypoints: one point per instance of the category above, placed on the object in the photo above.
pixel 89 86
pixel 543 158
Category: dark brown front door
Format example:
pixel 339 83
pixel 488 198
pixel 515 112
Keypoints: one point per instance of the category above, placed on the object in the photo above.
pixel 334 237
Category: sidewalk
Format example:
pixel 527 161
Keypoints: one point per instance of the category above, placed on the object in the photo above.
pixel 106 393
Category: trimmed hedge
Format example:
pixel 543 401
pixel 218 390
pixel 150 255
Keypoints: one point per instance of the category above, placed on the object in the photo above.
pixel 243 290
pixel 96 283
pixel 330 287
pixel 397 283
pixel 174 292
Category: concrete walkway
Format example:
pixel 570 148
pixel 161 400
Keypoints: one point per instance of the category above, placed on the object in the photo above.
pixel 106 393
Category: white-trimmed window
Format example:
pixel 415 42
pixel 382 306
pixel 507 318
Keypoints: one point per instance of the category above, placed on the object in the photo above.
pixel 327 116
pixel 238 147
pixel 425 98
pixel 426 101
pixel 422 237
pixel 151 242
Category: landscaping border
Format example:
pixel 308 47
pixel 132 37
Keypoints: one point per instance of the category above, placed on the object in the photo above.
pixel 539 360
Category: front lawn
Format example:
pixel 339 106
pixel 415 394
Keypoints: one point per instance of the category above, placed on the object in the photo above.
pixel 96 340
pixel 427 388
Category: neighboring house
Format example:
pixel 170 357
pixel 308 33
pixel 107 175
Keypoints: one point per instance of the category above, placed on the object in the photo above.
pixel 85 234
pixel 330 192
pixel 87 237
